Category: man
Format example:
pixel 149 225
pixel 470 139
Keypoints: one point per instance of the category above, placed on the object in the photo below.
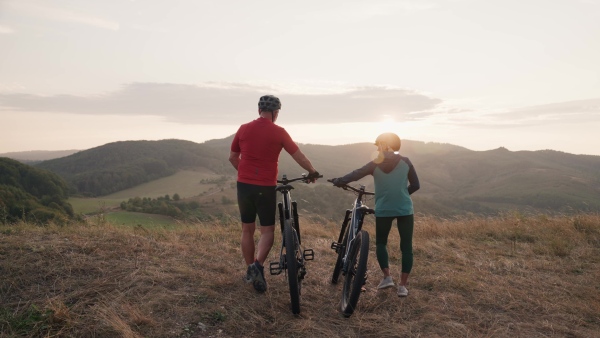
pixel 254 154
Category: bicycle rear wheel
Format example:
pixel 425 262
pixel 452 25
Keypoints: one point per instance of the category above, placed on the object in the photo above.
pixel 291 257
pixel 357 270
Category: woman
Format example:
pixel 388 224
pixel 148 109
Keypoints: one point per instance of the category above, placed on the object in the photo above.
pixel 395 180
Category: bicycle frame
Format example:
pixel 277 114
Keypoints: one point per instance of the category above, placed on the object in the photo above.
pixel 293 260
pixel 288 211
pixel 356 216
pixel 352 249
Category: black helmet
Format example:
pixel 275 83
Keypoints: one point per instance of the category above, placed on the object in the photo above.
pixel 389 139
pixel 269 103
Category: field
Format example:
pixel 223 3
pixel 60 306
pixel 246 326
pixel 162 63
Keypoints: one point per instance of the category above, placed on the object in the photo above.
pixel 198 184
pixel 511 276
pixel 186 183
pixel 125 218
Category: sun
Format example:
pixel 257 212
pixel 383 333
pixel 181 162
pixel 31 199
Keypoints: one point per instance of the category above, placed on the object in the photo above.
pixel 385 124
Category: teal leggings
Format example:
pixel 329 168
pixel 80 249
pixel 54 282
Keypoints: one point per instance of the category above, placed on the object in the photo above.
pixel 383 225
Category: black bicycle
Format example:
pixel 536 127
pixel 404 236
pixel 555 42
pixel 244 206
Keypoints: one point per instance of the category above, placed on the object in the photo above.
pixel 352 248
pixel 292 257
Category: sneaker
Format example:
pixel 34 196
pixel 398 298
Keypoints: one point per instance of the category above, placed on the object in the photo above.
pixel 386 283
pixel 249 277
pixel 259 283
pixel 402 291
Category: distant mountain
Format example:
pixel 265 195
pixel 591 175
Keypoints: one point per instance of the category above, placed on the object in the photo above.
pixel 454 180
pixel 37 155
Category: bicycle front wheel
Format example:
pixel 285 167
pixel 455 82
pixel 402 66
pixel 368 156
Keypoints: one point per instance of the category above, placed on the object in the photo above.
pixel 339 261
pixel 291 257
pixel 357 271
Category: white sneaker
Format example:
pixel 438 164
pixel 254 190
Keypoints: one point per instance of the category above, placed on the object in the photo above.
pixel 386 283
pixel 402 291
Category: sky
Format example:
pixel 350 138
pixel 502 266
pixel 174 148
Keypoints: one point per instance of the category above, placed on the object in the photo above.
pixel 524 75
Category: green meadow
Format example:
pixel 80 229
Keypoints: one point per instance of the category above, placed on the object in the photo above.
pixel 185 183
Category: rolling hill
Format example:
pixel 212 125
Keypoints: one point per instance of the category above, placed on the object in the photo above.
pixel 454 180
pixel 121 165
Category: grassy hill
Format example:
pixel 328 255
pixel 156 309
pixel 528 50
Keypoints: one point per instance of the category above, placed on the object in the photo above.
pixel 511 276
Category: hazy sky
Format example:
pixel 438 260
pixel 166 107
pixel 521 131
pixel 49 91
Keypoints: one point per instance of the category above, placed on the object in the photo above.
pixel 523 74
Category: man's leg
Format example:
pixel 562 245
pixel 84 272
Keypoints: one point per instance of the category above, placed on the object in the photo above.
pixel 265 243
pixel 248 242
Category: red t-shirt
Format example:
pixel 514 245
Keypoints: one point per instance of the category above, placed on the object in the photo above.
pixel 260 143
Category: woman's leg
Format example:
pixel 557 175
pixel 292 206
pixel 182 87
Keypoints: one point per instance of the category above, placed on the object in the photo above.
pixel 382 231
pixel 405 229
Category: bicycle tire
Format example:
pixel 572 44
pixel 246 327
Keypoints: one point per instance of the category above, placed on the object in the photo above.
pixel 292 265
pixel 357 270
pixel 340 256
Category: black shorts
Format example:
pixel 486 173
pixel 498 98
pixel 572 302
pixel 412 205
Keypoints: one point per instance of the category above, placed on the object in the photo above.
pixel 257 200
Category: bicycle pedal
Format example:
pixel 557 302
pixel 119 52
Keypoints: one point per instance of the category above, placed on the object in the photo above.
pixel 274 268
pixel 309 254
pixel 336 246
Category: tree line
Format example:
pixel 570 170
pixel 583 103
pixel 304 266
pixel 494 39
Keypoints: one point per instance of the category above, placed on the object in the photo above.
pixel 165 205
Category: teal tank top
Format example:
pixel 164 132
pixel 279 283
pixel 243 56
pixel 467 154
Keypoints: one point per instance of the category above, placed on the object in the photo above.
pixel 391 192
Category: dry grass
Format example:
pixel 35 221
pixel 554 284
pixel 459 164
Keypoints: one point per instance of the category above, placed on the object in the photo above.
pixel 511 276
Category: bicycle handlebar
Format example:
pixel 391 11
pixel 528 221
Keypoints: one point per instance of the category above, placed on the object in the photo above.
pixel 349 187
pixel 305 178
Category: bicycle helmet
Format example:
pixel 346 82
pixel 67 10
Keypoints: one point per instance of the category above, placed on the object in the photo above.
pixel 390 139
pixel 269 103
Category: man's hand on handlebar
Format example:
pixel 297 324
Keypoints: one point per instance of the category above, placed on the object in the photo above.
pixel 312 177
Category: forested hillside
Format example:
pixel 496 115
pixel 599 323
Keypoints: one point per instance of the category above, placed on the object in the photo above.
pixel 454 180
pixel 31 194
pixel 121 165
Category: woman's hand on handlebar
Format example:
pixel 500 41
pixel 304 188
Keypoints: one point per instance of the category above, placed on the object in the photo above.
pixel 336 182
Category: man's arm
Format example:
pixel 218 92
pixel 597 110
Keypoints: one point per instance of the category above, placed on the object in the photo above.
pixel 304 162
pixel 234 158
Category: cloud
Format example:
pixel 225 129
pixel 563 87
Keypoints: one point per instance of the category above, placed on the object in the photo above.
pixel 6 30
pixel 218 103
pixel 360 11
pixel 149 29
pixel 62 15
pixel 580 112
pixel 570 111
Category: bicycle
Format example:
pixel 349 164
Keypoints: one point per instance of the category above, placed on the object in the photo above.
pixel 294 258
pixel 352 248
